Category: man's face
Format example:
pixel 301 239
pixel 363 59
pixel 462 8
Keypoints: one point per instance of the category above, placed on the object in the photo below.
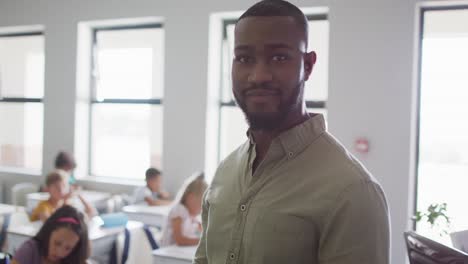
pixel 269 69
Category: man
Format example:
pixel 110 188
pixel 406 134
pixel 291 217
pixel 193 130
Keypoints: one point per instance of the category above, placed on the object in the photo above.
pixel 291 193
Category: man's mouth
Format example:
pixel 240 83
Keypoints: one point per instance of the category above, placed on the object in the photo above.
pixel 262 92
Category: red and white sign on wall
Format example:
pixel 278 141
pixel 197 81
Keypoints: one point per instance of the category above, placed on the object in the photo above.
pixel 361 145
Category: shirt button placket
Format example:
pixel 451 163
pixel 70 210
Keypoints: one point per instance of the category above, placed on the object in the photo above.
pixel 241 221
pixel 243 207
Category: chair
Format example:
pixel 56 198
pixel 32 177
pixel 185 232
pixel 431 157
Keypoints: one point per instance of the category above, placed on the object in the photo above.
pixel 135 246
pixel 5 258
pixel 19 192
pixel 422 250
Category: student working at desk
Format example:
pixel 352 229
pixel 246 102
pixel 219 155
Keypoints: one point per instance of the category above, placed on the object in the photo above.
pixel 62 239
pixel 183 226
pixel 58 196
pixel 152 193
pixel 65 164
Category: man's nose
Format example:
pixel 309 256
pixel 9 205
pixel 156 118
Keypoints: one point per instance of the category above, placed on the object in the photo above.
pixel 261 73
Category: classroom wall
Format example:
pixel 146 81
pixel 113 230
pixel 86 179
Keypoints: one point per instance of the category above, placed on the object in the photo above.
pixel 371 90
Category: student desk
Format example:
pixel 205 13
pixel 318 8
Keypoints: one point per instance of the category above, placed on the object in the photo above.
pixel 5 212
pixel 174 255
pixel 8 209
pixel 101 239
pixel 97 199
pixel 149 215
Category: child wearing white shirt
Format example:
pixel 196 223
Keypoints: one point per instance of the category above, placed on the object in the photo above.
pixel 183 226
pixel 152 193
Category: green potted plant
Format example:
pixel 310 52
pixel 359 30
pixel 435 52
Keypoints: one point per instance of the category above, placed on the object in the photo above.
pixel 436 216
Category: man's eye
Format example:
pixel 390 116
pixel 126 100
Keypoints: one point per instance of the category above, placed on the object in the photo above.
pixel 279 57
pixel 243 59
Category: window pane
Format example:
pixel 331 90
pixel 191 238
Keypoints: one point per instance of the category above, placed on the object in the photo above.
pixel 443 141
pixel 228 54
pixel 126 139
pixel 316 88
pixel 22 66
pixel 232 130
pixel 21 135
pixel 129 63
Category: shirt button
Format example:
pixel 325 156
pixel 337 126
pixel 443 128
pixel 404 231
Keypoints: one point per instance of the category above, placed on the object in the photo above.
pixel 243 207
pixel 232 256
pixel 290 154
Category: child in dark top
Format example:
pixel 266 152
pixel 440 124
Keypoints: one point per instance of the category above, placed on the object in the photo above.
pixel 62 239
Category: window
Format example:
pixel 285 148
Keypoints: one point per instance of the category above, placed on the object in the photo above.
pixel 126 105
pixel 232 125
pixel 442 171
pixel 21 93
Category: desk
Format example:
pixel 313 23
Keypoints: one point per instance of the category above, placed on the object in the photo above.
pixel 149 215
pixel 5 214
pixel 101 239
pixel 8 209
pixel 174 255
pixel 97 199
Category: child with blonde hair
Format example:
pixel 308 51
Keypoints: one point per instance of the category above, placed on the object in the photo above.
pixel 183 226
pixel 58 196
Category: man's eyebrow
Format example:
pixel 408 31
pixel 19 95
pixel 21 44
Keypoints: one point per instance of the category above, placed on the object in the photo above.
pixel 243 47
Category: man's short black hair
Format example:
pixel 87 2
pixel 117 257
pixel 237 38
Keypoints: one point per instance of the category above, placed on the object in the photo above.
pixel 278 8
pixel 152 172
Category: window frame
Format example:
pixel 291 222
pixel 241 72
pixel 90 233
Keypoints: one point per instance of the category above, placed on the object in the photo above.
pixel 419 38
pixel 93 88
pixel 24 100
pixel 5 99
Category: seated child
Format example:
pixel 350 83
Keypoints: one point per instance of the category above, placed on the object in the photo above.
pixel 183 226
pixel 152 193
pixel 62 239
pixel 65 164
pixel 56 187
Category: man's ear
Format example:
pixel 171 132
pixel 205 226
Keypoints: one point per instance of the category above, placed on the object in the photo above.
pixel 309 60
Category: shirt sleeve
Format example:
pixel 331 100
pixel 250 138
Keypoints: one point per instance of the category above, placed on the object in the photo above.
pixel 26 252
pixel 357 230
pixel 178 211
pixel 140 194
pixel 147 193
pixel 200 254
pixel 42 207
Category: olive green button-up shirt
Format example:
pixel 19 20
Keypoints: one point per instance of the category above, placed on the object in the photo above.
pixel 309 201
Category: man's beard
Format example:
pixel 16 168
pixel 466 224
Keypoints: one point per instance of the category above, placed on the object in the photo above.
pixel 268 121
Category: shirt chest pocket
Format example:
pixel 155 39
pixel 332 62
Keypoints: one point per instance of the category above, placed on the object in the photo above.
pixel 282 238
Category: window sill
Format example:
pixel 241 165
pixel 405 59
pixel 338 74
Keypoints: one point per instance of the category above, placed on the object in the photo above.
pixel 20 171
pixel 111 181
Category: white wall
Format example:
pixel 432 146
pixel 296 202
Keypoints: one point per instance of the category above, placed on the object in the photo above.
pixel 370 82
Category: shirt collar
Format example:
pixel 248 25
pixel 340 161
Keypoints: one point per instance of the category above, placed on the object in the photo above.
pixel 296 139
